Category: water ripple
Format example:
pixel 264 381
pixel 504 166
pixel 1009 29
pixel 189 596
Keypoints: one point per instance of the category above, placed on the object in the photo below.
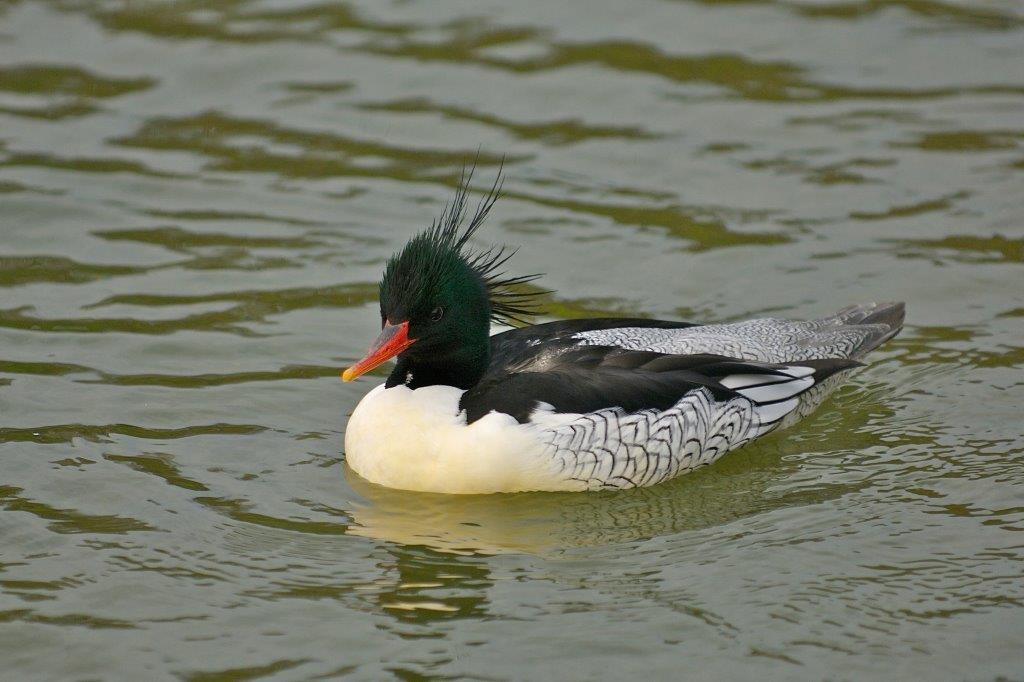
pixel 198 199
pixel 66 433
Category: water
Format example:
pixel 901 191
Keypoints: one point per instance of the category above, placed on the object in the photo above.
pixel 197 202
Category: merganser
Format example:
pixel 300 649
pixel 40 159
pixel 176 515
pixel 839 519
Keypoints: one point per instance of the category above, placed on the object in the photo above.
pixel 589 404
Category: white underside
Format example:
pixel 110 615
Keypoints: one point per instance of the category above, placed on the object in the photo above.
pixel 419 440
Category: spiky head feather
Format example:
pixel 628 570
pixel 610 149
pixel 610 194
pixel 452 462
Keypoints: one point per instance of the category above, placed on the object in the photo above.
pixel 439 256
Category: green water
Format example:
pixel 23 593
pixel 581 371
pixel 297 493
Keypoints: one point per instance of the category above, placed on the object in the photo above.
pixel 196 200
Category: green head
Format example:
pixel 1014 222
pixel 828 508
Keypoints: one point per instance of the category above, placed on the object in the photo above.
pixel 438 298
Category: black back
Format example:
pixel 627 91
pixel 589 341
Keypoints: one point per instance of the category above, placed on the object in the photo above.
pixel 580 379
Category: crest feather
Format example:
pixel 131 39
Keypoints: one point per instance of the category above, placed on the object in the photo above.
pixel 428 255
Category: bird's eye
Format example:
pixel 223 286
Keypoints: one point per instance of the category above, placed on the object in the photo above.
pixel 436 314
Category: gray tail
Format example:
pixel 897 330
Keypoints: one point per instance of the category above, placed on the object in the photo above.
pixel 879 322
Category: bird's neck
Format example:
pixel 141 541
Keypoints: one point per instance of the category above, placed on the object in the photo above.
pixel 461 369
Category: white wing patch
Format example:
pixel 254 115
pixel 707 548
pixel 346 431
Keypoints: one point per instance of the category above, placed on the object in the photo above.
pixel 769 414
pixel 737 381
pixel 775 395
pixel 779 390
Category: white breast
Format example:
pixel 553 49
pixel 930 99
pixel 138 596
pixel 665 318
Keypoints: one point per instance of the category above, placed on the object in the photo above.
pixel 419 440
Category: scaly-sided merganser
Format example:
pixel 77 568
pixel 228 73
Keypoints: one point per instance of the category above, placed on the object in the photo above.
pixel 577 404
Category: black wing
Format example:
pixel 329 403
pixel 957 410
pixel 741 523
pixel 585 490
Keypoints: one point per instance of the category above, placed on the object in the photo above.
pixel 590 378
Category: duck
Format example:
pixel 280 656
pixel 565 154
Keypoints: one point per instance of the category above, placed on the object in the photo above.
pixel 594 404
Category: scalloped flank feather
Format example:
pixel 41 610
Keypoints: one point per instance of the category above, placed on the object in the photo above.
pixel 446 237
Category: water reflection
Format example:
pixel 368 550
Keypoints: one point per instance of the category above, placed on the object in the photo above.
pixel 548 523
pixel 64 520
pixel 294 153
pixel 551 132
pixel 420 585
pixel 55 91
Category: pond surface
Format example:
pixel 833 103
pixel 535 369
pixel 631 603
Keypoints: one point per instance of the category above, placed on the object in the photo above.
pixel 197 201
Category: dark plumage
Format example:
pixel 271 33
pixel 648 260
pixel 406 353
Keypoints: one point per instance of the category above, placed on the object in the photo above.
pixel 591 378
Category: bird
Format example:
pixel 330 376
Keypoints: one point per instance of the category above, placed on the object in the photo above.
pixel 570 405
